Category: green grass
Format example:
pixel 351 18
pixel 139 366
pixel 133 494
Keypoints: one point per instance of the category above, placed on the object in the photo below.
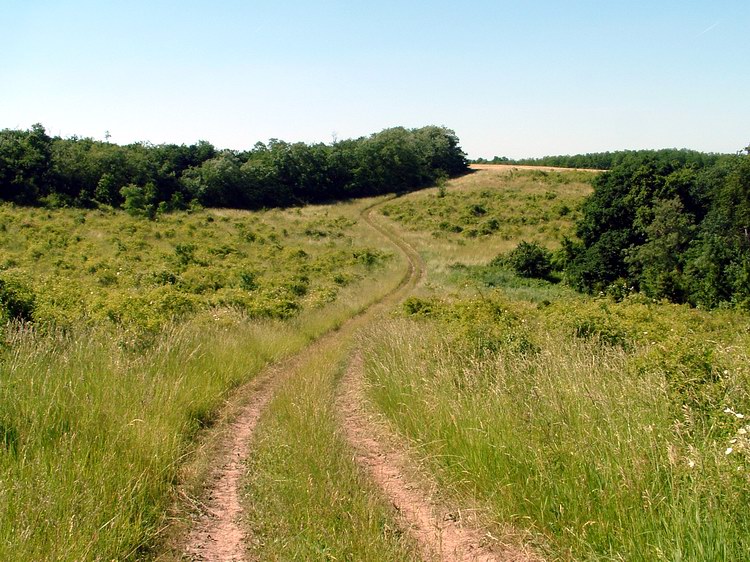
pixel 609 430
pixel 604 443
pixel 107 267
pixel 494 208
pixel 604 428
pixel 305 497
pixel 99 413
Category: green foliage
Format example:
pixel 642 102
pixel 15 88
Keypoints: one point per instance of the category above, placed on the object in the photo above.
pixel 248 280
pixel 415 306
pixel 146 179
pixel 570 419
pixel 606 430
pixel 305 498
pixel 139 201
pixel 606 160
pixel 16 301
pixel 530 260
pixel 673 226
pixel 503 206
pixel 65 267
pixel 139 332
pixel 25 165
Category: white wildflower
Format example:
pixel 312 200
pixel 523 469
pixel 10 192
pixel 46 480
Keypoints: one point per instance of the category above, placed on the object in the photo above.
pixel 728 451
pixel 691 463
pixel 735 414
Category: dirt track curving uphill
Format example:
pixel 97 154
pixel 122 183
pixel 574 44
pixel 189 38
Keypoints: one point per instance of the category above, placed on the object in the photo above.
pixel 218 534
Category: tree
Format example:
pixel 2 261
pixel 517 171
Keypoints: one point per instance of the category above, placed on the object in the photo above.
pixel 25 162
pixel 658 263
pixel 529 259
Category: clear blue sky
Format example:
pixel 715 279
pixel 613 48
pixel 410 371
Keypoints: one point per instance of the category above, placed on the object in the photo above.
pixel 521 78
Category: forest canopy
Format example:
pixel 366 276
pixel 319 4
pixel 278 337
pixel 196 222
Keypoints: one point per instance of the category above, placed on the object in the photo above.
pixel 671 224
pixel 607 160
pixel 36 169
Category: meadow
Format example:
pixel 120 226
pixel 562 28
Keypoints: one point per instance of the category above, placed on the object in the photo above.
pixel 128 337
pixel 606 428
pixel 594 427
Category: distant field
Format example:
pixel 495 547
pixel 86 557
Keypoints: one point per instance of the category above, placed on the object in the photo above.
pixel 477 216
pixel 522 167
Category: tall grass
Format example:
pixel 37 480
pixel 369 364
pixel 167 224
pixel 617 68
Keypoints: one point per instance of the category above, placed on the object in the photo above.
pixel 94 433
pixel 613 431
pixel 305 497
pixel 590 445
pixel 97 419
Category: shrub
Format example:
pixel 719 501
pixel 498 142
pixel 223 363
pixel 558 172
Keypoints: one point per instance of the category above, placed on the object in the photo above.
pixel 531 260
pixel 248 280
pixel 415 306
pixel 16 301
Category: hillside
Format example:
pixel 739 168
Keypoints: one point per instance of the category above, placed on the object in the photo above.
pixel 269 384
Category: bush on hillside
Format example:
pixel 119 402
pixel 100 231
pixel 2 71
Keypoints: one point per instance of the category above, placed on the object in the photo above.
pixel 529 259
pixel 16 301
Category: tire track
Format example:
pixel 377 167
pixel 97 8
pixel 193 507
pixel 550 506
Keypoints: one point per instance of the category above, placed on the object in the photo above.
pixel 441 532
pixel 217 534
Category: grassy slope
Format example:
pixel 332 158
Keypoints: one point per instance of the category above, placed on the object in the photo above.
pixel 139 344
pixel 305 497
pixel 603 427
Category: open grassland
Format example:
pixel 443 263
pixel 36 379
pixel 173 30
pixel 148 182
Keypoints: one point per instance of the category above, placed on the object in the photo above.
pixel 101 266
pixel 305 496
pixel 611 430
pixel 140 331
pixel 471 219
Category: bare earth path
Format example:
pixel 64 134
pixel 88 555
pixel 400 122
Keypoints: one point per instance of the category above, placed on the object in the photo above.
pixel 217 535
pixel 440 531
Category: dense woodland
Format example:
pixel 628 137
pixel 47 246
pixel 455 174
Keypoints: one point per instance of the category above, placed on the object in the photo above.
pixel 670 224
pixel 607 160
pixel 142 178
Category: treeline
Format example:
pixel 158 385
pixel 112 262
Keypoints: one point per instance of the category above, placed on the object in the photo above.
pixel 608 160
pixel 670 224
pixel 36 169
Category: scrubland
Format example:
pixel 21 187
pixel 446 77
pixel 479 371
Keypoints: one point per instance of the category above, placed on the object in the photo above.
pixel 606 428
pixel 602 427
pixel 129 336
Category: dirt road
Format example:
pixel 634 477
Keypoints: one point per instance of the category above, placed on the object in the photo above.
pixel 218 536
